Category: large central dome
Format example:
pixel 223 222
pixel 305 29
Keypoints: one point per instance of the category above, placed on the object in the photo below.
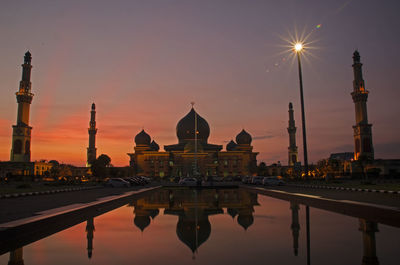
pixel 185 128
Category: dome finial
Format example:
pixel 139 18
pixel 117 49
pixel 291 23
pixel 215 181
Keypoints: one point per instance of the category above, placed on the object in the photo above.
pixel 192 103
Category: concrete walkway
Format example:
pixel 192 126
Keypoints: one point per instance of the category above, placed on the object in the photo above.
pixel 12 209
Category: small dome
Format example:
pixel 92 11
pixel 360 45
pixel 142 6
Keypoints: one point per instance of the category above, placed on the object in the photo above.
pixel 154 213
pixel 142 138
pixel 245 220
pixel 185 128
pixel 231 146
pixel 243 138
pixel 154 146
pixel 141 222
pixel 232 212
pixel 93 106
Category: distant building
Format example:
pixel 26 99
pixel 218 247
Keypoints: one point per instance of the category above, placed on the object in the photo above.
pixel 185 157
pixel 363 147
pixel 346 156
pixel 293 155
pixel 28 169
pixel 21 137
pixel 91 150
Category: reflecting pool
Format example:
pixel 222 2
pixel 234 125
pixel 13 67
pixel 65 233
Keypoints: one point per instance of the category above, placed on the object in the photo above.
pixel 214 226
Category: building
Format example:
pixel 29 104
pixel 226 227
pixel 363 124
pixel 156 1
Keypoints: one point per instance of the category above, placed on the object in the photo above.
pixel 91 150
pixel 363 147
pixel 293 155
pixel 193 153
pixel 21 137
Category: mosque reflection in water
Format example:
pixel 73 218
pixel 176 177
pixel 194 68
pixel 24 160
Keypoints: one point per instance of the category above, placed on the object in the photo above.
pixel 193 207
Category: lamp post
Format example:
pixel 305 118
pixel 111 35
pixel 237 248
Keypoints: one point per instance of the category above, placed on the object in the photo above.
pixel 298 47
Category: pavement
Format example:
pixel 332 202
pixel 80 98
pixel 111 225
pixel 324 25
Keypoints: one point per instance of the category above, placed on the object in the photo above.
pixel 384 199
pixel 16 208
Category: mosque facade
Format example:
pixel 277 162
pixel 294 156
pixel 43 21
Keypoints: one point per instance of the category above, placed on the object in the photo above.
pixel 193 153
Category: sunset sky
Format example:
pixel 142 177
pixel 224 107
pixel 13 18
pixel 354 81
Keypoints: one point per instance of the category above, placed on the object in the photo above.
pixel 143 62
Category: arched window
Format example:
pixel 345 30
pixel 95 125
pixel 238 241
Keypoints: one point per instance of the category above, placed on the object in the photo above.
pixel 294 159
pixel 17 147
pixel 27 147
pixel 366 145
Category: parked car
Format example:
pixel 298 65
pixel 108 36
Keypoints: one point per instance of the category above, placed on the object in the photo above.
pixel 139 180
pixel 257 180
pixel 117 182
pixel 246 180
pixel 188 181
pixel 133 181
pixel 272 181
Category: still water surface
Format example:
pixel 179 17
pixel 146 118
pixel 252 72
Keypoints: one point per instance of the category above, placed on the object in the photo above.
pixel 210 226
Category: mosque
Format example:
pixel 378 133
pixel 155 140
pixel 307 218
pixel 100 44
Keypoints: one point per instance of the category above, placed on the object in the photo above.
pixel 193 153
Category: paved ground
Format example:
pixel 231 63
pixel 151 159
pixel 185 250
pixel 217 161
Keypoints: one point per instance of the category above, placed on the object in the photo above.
pixel 367 197
pixel 16 208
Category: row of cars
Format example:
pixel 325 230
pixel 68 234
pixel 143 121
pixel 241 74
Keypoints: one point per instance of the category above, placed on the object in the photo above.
pixel 266 181
pixel 127 182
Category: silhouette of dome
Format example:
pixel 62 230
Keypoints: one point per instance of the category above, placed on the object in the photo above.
pixel 141 221
pixel 232 212
pixel 231 146
pixel 245 220
pixel 186 231
pixel 154 146
pixel 243 138
pixel 93 106
pixel 185 128
pixel 142 138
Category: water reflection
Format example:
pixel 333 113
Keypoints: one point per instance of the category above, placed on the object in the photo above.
pixel 193 207
pixel 368 230
pixel 89 236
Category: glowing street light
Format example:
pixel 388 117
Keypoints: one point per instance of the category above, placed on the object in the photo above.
pixel 298 47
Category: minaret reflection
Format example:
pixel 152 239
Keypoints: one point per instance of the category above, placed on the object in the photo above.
pixel 89 236
pixel 16 257
pixel 193 207
pixel 368 230
pixel 295 226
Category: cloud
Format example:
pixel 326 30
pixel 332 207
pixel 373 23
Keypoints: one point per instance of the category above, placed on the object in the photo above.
pixel 262 137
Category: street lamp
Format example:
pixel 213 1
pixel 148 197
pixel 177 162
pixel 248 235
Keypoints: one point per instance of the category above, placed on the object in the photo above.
pixel 298 47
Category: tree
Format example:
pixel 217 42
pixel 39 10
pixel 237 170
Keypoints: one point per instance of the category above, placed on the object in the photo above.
pixel 100 166
pixel 262 169
pixel 55 169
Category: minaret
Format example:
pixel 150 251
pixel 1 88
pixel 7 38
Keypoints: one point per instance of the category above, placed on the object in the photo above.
pixel 362 130
pixel 89 236
pixel 21 139
pixel 292 138
pixel 91 151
